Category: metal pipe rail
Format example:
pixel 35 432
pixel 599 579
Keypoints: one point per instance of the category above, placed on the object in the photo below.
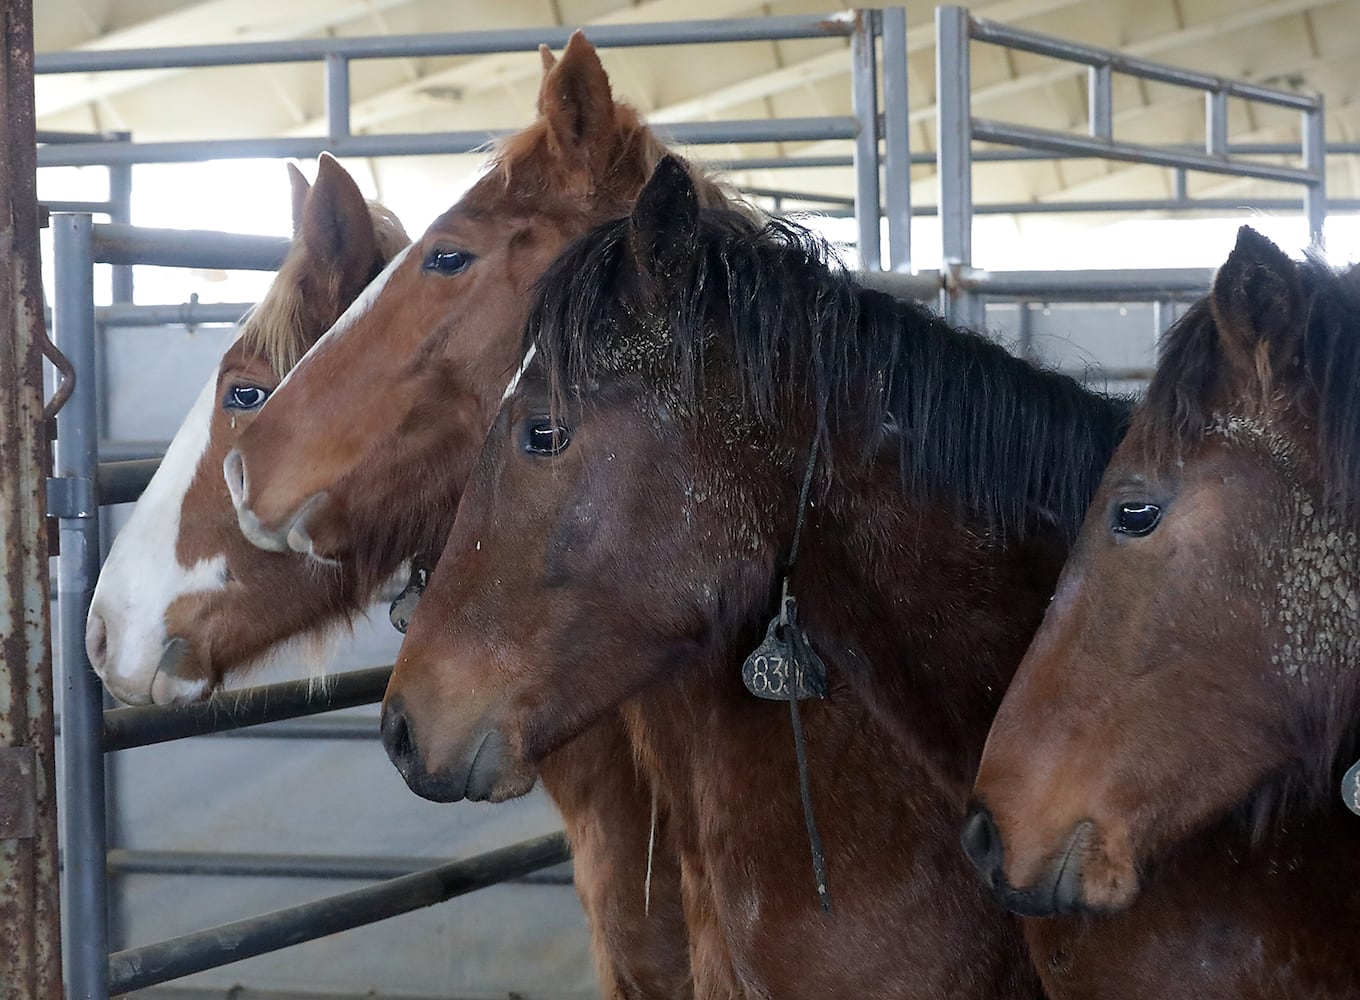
pixel 424 143
pixel 145 725
pixel 139 968
pixel 864 29
pixel 957 129
pixel 293 866
pixel 469 43
pixel 1006 36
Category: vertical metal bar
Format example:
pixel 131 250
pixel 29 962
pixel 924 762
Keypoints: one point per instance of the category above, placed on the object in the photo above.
pixel 85 889
pixel 954 141
pixel 1315 158
pixel 120 210
pixel 1182 189
pixel 1025 329
pixel 897 138
pixel 864 94
pixel 337 96
pixel 1100 94
pixel 30 956
pixel 1216 123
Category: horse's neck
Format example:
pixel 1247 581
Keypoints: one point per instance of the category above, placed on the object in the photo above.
pixel 927 617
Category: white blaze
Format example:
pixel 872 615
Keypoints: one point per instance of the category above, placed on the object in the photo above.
pixel 143 575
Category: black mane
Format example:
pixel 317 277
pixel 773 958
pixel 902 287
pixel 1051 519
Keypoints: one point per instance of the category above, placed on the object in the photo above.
pixel 1321 378
pixel 975 426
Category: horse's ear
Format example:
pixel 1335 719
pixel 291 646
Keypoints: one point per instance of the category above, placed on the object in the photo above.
pixel 549 60
pixel 1258 305
pixel 664 226
pixel 576 102
pixel 300 189
pixel 337 227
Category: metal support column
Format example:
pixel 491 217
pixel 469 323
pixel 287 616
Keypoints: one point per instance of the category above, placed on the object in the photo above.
pixel 954 132
pixel 864 92
pixel 1315 158
pixel 120 210
pixel 84 886
pixel 337 96
pixel 897 138
pixel 30 958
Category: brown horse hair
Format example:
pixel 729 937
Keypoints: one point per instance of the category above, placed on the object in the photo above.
pixel 1005 440
pixel 526 151
pixel 270 329
pixel 1306 369
pixel 1313 370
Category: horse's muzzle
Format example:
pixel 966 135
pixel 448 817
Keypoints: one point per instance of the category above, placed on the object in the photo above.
pixel 480 772
pixel 1059 889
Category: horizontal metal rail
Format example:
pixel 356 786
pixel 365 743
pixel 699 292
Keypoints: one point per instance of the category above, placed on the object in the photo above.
pixel 123 482
pixel 1053 141
pixel 211 864
pixel 754 130
pixel 117 243
pixel 996 33
pixel 1090 286
pixel 81 207
pixel 182 314
pixel 147 724
pixel 468 43
pixel 796 162
pixel 139 968
pixel 117 450
pixel 339 728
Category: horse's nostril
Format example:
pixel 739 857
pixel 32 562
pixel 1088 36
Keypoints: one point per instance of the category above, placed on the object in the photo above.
pixel 396 735
pixel 97 641
pixel 982 841
pixel 234 472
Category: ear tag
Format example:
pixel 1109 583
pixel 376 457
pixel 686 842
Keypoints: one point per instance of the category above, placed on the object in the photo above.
pixel 405 605
pixel 1350 788
pixel 785 658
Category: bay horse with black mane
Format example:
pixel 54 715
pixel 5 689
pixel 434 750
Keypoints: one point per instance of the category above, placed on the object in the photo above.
pixel 1196 677
pixel 623 545
pixel 360 457
pixel 626 539
pixel 184 603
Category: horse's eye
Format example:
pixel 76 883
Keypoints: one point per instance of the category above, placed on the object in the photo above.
pixel 544 437
pixel 245 397
pixel 448 262
pixel 1136 519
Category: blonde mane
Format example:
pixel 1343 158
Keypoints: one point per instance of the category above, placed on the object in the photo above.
pixel 274 328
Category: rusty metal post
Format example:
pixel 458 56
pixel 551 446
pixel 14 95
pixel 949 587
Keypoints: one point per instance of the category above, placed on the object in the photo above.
pixel 30 955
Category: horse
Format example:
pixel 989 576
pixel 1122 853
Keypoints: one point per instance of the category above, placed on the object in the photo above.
pixel 183 603
pixel 705 394
pixel 430 348
pixel 1194 680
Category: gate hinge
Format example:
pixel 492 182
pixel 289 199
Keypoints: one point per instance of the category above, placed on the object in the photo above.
pixel 70 496
pixel 18 793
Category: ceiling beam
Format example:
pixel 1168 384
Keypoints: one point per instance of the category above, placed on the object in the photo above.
pixel 211 19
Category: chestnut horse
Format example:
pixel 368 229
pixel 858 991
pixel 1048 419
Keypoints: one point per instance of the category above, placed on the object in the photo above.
pixel 183 602
pixel 429 351
pixel 1195 679
pixel 624 541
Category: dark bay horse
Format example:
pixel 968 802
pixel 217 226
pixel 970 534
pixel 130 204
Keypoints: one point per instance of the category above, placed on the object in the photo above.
pixel 1195 679
pixel 360 457
pixel 183 602
pixel 623 543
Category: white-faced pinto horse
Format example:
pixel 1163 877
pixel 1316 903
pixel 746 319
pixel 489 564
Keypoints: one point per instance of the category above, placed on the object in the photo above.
pixel 183 602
